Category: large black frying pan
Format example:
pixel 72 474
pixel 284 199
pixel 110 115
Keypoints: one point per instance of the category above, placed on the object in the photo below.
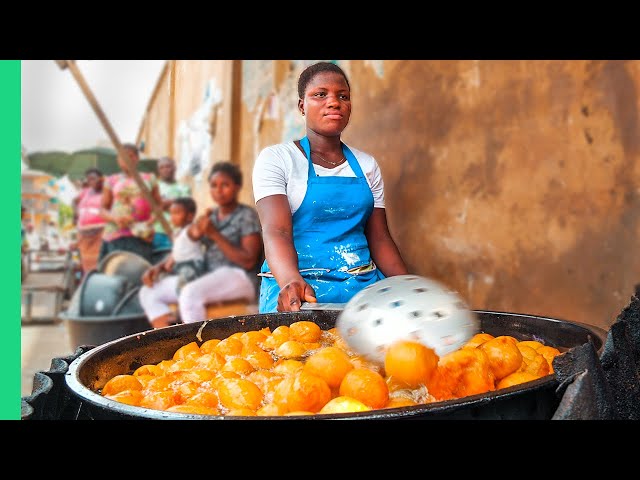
pixel 533 400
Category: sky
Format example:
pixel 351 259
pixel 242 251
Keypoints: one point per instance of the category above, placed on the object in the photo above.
pixel 56 115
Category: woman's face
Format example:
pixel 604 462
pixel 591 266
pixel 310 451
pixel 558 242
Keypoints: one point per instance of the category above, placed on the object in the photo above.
pixel 223 190
pixel 166 170
pixel 132 157
pixel 94 181
pixel 326 104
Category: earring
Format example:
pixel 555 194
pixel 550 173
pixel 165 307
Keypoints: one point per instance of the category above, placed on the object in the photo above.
pixel 303 114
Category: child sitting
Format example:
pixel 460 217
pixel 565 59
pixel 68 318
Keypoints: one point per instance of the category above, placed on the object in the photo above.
pixel 187 256
pixel 184 264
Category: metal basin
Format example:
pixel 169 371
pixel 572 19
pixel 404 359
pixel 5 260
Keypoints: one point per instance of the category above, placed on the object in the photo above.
pixel 533 400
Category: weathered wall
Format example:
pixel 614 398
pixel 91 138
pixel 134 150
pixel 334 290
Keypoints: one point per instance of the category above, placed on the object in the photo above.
pixel 174 124
pixel 515 182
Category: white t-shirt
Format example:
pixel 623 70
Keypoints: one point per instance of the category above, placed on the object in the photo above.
pixel 283 169
pixel 184 248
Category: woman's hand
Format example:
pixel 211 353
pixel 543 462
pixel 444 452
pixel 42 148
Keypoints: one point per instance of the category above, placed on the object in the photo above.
pixel 293 294
pixel 150 275
pixel 203 221
pixel 123 221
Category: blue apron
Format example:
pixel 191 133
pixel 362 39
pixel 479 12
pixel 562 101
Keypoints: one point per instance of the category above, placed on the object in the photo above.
pixel 328 235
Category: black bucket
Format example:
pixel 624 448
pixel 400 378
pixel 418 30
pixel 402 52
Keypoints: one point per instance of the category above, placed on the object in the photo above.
pixel 106 306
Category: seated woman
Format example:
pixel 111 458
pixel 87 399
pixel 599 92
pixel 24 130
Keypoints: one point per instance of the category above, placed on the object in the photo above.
pixel 125 209
pixel 232 239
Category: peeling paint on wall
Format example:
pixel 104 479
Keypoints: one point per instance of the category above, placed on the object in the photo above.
pixel 257 81
pixel 196 134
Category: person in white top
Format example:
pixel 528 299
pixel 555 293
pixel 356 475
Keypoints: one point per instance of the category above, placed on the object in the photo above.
pixel 184 264
pixel 230 235
pixel 321 205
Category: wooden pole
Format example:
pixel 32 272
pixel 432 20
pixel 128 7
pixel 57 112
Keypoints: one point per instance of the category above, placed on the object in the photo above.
pixel 158 212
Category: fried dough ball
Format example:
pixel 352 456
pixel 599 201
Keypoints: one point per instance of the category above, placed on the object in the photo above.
pixel 145 379
pixel 344 404
pixel 304 331
pixel 120 383
pixel 152 370
pixel 330 364
pixel 205 398
pixel 182 365
pixel 504 356
pixel 165 364
pixel 528 354
pixel 237 393
pixel 302 391
pixel 291 349
pixel 189 350
pixel 159 400
pixel 253 338
pixel 223 375
pixel 478 339
pixel 277 338
pixel 207 347
pixel 460 373
pixel 410 362
pixel 516 378
pixel 549 353
pixel 538 366
pixel 229 346
pixel 260 359
pixel 238 365
pixel 130 397
pixel 287 366
pixel 365 385
pixel 184 391
pixel 211 361
pixel 531 343
pixel 158 384
pixel 262 378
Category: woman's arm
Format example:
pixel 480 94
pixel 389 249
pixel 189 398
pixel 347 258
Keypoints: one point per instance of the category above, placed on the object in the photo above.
pixel 150 275
pixel 199 226
pixel 281 255
pixel 75 203
pixel 107 202
pixel 105 212
pixel 157 199
pixel 384 251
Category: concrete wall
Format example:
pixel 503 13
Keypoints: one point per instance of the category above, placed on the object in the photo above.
pixel 192 97
pixel 517 183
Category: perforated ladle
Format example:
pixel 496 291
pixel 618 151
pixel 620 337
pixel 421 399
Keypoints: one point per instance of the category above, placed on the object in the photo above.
pixel 407 307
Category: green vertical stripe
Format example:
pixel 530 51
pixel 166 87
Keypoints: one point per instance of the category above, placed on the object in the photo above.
pixel 10 239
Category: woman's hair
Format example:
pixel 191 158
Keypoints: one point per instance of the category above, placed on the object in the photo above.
pixel 312 70
pixel 132 147
pixel 91 170
pixel 230 169
pixel 187 203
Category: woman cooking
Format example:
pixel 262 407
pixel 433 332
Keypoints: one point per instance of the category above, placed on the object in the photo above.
pixel 321 205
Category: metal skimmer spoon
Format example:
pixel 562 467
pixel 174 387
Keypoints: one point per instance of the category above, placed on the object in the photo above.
pixel 404 307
